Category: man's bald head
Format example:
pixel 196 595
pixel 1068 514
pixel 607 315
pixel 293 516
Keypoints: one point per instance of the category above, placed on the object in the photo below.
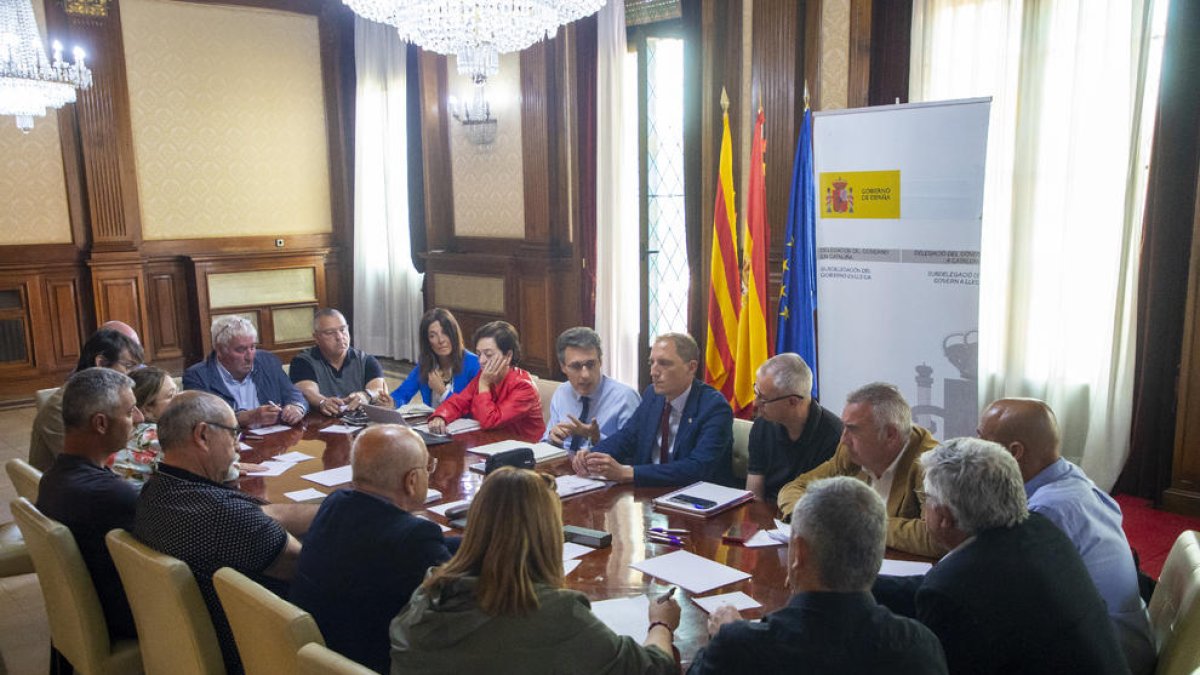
pixel 1027 428
pixel 383 456
pixel 124 329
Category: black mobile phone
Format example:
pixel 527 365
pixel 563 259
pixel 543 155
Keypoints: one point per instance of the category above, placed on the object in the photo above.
pixel 698 502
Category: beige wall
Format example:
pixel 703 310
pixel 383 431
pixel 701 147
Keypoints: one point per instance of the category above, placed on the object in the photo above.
pixel 835 54
pixel 489 190
pixel 228 118
pixel 33 191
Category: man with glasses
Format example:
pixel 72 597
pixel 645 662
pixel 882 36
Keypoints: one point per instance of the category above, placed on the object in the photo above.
pixel 332 375
pixel 252 383
pixel 186 512
pixel 589 406
pixel 366 552
pixel 792 433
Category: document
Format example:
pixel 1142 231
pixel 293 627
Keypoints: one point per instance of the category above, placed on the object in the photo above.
pixel 568 565
pixel 294 457
pixel 762 539
pixel 703 499
pixel 305 495
pixel 571 485
pixel 441 509
pixel 273 429
pixel 542 452
pixel 904 568
pixel 272 468
pixel 432 495
pixel 625 616
pixel 340 429
pixel 573 550
pixel 738 599
pixel 690 572
pixel 242 447
pixel 330 477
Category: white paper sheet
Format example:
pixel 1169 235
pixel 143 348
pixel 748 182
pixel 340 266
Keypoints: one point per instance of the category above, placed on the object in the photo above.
pixel 432 495
pixel 542 452
pixel 461 425
pixel 690 572
pixel 762 538
pixel 272 469
pixel 625 616
pixel 441 509
pixel 904 568
pixel 340 429
pixel 738 599
pixel 330 477
pixel 242 447
pixel 568 565
pixel 573 550
pixel 571 485
pixel 305 495
pixel 293 457
pixel 273 429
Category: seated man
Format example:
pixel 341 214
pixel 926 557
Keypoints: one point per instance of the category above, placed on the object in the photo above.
pixel 880 445
pixel 1012 596
pixel 832 624
pixel 185 512
pixel 365 552
pixel 252 383
pixel 682 431
pixel 1091 519
pixel 79 492
pixel 792 433
pixel 332 375
pixel 114 346
pixel 589 406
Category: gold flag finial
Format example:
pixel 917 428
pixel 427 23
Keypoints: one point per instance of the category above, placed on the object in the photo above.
pixel 724 101
pixel 806 94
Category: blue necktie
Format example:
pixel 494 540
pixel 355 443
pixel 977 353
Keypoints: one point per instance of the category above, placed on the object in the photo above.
pixel 577 441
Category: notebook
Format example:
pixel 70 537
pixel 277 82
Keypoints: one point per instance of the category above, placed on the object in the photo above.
pixel 703 499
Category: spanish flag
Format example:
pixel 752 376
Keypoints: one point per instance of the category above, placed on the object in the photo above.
pixel 721 344
pixel 753 343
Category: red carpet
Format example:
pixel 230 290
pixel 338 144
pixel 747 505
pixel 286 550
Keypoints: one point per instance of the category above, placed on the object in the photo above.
pixel 1151 532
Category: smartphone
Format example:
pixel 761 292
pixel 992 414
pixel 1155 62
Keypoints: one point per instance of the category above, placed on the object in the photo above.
pixel 697 502
pixel 739 533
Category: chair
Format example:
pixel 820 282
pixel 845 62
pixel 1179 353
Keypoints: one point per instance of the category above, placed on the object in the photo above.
pixel 268 629
pixel 546 389
pixel 176 631
pixel 741 447
pixel 43 395
pixel 315 658
pixel 24 477
pixel 77 627
pixel 1174 609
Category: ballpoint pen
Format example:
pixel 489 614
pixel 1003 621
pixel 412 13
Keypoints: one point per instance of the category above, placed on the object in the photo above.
pixel 666 596
pixel 678 531
pixel 665 539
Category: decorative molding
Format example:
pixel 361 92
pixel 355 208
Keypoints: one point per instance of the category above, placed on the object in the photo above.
pixel 93 8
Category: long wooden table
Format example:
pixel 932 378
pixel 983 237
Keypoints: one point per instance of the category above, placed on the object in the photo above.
pixel 624 511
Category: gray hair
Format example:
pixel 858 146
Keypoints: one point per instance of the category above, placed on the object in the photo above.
pixel 844 523
pixel 978 480
pixel 183 414
pixel 685 345
pixel 328 311
pixel 91 391
pixel 579 337
pixel 229 326
pixel 888 407
pixel 789 373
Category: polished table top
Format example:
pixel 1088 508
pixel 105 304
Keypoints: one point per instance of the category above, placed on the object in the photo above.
pixel 623 510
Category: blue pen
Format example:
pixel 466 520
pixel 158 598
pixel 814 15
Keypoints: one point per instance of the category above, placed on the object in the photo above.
pixel 670 530
pixel 665 539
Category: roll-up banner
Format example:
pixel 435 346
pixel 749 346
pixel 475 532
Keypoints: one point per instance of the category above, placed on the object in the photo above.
pixel 899 209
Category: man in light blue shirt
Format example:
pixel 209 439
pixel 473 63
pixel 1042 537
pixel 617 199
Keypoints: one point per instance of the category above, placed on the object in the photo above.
pixel 589 406
pixel 1091 519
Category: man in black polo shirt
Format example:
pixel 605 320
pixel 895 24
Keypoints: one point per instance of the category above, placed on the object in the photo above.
pixel 793 433
pixel 185 512
pixel 332 375
pixel 77 490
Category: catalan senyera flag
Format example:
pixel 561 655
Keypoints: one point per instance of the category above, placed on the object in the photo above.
pixel 723 294
pixel 797 328
pixel 753 343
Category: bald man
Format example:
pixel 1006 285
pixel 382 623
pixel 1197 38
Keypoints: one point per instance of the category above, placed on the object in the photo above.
pixel 366 552
pixel 1061 492
pixel 122 328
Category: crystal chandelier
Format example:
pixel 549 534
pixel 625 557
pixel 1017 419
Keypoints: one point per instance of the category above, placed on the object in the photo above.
pixel 476 31
pixel 476 117
pixel 30 82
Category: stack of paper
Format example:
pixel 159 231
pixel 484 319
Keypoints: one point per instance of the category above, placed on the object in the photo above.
pixel 542 452
pixel 415 410
pixel 738 599
pixel 776 537
pixel 305 495
pixel 571 485
pixel 572 550
pixel 278 464
pixel 690 572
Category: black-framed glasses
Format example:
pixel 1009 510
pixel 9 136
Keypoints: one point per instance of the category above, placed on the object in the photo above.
pixel 758 397
pixel 236 432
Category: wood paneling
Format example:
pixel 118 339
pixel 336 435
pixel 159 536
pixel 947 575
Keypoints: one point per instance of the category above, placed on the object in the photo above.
pixel 860 53
pixel 168 299
pixel 435 143
pixel 62 310
pixel 891 39
pixel 1184 494
pixel 118 290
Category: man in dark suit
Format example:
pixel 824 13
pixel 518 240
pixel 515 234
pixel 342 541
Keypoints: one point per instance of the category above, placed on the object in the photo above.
pixel 682 431
pixel 1012 595
pixel 365 552
pixel 832 624
pixel 252 383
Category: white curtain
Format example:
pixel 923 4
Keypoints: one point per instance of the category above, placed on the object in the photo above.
pixel 387 288
pixel 618 309
pixel 1067 149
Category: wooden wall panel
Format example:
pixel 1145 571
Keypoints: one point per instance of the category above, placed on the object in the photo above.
pixel 860 53
pixel 537 342
pixel 167 297
pixel 62 296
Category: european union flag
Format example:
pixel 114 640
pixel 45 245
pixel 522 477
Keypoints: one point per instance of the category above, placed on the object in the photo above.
pixel 797 328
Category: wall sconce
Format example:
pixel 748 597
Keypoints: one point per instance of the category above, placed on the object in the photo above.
pixel 476 117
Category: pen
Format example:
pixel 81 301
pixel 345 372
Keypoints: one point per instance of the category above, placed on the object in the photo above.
pixel 670 530
pixel 665 539
pixel 666 596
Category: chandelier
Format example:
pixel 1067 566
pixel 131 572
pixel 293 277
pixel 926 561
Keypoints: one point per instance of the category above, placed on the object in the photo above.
pixel 475 31
pixel 30 82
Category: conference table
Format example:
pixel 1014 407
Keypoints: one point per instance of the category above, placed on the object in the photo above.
pixel 622 510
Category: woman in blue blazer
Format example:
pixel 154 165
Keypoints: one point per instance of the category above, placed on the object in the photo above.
pixel 445 366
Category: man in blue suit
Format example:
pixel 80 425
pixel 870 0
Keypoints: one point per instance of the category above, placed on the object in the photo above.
pixel 252 383
pixel 681 433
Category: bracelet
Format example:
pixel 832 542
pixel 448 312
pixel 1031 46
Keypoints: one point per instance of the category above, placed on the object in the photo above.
pixel 659 623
